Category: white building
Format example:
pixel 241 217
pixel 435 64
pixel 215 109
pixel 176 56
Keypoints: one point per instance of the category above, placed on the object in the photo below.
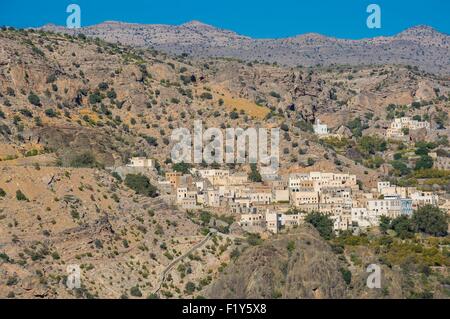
pixel 255 222
pixel 206 173
pixel 382 185
pixel 141 162
pixel 320 129
pixel 212 198
pixel 273 222
pixel 397 126
pixel 424 198
pixel 390 207
pixel 280 195
pixel 340 222
pixel 363 217
pixel 187 198
pixel 261 197
pixel 291 220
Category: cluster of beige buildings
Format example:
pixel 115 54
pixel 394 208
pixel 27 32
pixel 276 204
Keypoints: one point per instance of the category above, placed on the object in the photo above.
pixel 396 130
pixel 284 202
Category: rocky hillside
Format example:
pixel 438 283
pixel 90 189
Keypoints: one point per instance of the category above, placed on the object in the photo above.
pixel 419 46
pixel 302 265
pixel 72 106
pixel 66 96
pixel 287 266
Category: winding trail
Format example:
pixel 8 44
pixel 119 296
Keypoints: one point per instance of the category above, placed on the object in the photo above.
pixel 179 258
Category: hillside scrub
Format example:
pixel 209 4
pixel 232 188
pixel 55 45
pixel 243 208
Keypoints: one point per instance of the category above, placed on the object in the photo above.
pixel 141 185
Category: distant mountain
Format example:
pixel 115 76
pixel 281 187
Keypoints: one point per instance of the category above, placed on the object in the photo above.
pixel 420 46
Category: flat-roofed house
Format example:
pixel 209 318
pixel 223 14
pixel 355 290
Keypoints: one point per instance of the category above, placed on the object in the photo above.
pixel 253 222
pixel 424 198
pixel 291 220
pixel 390 207
pixel 273 222
pixel 305 198
pixel 212 198
pixel 141 162
pixel 320 129
pixel 174 178
pixel 280 195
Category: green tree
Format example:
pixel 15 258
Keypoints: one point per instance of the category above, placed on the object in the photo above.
pixel 234 115
pixel 254 175
pixel 430 220
pixel 235 253
pixel 135 291
pixel 190 287
pixel 346 275
pixel 421 150
pixel 206 96
pixel 111 94
pixel 310 161
pixel 372 144
pixel 401 169
pixel 50 112
pixel 95 98
pixel 424 162
pixel 322 223
pixel 116 176
pixel 103 86
pixel 356 126
pixel 182 167
pixel 254 239
pixel 290 246
pixel 141 185
pixel 205 217
pixel 20 196
pixel 85 159
pixel 275 94
pixel 152 141
pixel 403 226
pixel 34 99
pixel 385 224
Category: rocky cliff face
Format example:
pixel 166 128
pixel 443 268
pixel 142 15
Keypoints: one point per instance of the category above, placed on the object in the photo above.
pixel 299 264
pixel 295 265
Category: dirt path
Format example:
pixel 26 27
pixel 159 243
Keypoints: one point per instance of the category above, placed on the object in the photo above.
pixel 176 260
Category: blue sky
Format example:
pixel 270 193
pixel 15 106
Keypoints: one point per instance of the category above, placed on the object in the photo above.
pixel 260 19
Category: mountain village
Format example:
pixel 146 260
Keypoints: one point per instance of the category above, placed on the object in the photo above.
pixel 283 202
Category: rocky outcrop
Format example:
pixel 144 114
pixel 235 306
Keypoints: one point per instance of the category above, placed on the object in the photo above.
pixel 295 265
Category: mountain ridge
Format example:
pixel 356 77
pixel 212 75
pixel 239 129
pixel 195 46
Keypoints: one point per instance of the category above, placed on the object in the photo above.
pixel 198 23
pixel 420 46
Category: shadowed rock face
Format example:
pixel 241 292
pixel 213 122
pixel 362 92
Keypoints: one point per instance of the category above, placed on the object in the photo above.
pixel 419 46
pixel 308 269
pixel 69 141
